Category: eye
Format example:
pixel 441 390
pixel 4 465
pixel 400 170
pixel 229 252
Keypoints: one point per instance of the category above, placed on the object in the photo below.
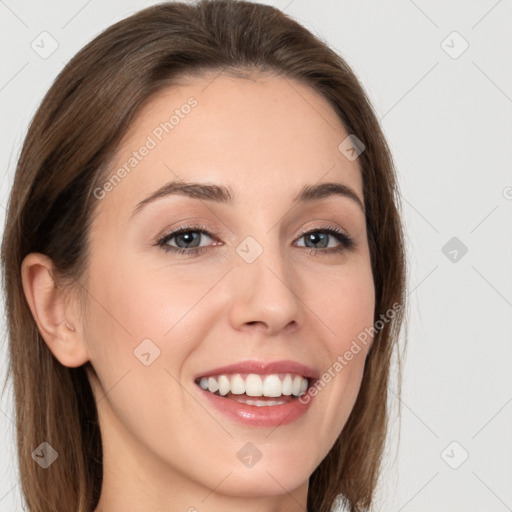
pixel 319 240
pixel 187 240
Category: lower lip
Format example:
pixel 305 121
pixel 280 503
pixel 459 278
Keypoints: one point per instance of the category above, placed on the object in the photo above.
pixel 266 416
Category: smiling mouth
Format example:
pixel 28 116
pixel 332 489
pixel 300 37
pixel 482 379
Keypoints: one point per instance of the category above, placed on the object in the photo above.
pixel 255 389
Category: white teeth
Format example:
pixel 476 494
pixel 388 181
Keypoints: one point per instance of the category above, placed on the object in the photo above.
pixel 224 385
pixel 273 386
pixel 213 385
pixel 237 385
pixel 254 385
pixel 287 385
pixel 261 403
pixel 295 386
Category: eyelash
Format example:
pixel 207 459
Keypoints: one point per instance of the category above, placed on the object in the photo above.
pixel 347 243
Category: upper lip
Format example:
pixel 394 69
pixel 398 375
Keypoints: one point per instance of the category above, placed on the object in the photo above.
pixel 263 368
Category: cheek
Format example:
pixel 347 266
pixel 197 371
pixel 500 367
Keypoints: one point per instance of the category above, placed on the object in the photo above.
pixel 137 304
pixel 133 312
pixel 345 304
pixel 353 318
pixel 346 307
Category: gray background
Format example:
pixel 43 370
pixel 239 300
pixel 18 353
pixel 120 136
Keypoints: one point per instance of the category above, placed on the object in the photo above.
pixel 447 116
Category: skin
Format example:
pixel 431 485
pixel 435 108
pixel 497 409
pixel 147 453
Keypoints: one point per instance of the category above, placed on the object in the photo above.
pixel 164 448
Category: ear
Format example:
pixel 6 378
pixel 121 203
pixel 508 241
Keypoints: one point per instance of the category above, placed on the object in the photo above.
pixel 56 319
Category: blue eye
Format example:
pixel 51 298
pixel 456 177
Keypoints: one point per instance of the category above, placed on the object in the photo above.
pixel 189 238
pixel 183 236
pixel 321 236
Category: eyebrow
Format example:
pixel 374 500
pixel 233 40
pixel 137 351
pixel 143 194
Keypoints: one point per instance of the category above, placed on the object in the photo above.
pixel 222 194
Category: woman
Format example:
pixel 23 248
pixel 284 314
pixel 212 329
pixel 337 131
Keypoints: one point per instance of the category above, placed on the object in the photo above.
pixel 247 370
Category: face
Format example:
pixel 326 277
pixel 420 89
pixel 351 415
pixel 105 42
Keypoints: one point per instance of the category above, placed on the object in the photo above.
pixel 248 285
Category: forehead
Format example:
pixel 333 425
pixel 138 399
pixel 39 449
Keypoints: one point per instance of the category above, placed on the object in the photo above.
pixel 266 133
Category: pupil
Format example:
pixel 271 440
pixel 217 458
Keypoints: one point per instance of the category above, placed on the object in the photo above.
pixel 316 238
pixel 189 237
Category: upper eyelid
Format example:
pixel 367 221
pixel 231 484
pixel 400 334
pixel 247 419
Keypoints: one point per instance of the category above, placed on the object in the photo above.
pixel 186 229
pixel 209 232
pixel 203 229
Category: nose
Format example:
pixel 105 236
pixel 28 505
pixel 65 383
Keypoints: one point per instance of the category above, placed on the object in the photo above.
pixel 266 295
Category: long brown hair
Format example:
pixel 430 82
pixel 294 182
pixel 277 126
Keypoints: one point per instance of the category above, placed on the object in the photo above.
pixel 66 153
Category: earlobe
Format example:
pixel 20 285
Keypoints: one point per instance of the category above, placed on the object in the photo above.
pixel 54 317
